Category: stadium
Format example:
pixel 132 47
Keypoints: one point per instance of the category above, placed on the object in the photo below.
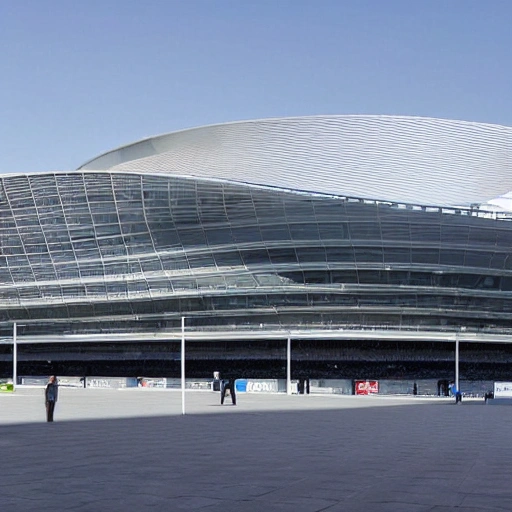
pixel 372 242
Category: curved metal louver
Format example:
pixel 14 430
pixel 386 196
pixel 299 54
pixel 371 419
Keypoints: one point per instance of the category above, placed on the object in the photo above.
pixel 402 159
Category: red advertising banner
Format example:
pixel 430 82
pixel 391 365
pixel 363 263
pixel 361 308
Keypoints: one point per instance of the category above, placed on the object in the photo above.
pixel 367 387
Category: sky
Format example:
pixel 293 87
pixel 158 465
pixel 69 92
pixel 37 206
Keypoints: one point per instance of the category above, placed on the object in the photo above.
pixel 78 78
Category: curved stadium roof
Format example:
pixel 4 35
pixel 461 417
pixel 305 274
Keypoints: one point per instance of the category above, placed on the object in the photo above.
pixel 392 158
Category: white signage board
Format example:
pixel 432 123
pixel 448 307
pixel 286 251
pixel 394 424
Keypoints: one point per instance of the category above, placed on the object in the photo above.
pixel 262 386
pixel 503 390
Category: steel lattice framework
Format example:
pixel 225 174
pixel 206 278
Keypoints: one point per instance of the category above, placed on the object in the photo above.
pixel 324 226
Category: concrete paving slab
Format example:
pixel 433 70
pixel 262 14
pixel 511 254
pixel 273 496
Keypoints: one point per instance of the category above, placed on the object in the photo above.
pixel 133 450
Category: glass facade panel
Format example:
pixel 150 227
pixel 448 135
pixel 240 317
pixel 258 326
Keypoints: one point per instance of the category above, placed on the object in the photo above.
pixel 344 276
pixel 425 256
pixel 228 259
pixel 364 255
pixel 425 232
pixel 83 245
pixel 308 255
pixel 304 231
pixel 256 257
pixel 285 256
pixel 332 231
pixel 498 260
pixel 397 255
pixel 341 255
pixel 201 260
pixel 246 234
pixel 452 233
pixel 451 257
pixel 275 233
pixel 365 230
pixel 477 259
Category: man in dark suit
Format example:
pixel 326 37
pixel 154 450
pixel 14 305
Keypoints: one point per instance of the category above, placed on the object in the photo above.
pixel 225 385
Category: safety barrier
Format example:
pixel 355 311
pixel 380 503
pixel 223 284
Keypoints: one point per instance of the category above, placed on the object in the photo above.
pixel 420 387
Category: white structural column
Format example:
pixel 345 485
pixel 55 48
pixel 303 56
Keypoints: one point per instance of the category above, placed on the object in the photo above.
pixel 289 366
pixel 14 356
pixel 182 365
pixel 457 362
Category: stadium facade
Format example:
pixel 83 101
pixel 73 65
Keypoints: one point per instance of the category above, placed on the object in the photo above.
pixel 318 228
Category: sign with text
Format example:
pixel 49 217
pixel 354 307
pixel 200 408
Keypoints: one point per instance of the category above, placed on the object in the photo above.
pixel 152 383
pixel 367 387
pixel 503 390
pixel 262 386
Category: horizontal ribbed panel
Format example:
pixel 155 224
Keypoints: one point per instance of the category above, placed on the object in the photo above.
pixel 134 252
pixel 402 159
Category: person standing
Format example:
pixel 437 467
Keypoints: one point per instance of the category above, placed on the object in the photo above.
pixel 51 394
pixel 227 385
pixel 456 393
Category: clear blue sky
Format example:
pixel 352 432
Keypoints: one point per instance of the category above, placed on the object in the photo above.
pixel 81 77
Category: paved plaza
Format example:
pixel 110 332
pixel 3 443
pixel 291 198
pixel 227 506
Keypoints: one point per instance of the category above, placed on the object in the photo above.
pixel 133 450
